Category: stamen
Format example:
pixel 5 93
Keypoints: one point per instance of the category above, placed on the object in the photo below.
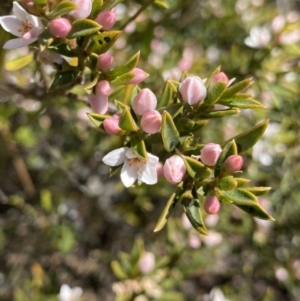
pixel 26 26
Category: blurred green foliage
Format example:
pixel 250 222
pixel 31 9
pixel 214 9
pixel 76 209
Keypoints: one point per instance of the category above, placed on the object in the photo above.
pixel 63 220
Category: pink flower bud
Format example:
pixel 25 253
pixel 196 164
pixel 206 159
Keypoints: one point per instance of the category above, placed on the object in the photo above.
pixel 103 88
pixel 99 103
pixel 194 241
pixel 144 101
pixel 212 205
pixel 159 170
pixel 111 125
pixel 84 9
pixel 192 90
pixel 107 19
pixel 140 75
pixel 210 154
pixel 151 122
pixel 60 27
pixel 105 61
pixel 219 77
pixel 146 262
pixel 233 163
pixel 174 169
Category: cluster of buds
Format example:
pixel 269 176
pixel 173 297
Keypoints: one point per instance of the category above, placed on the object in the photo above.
pixel 161 138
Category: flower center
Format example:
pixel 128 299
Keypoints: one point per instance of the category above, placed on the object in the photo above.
pixel 138 164
pixel 26 26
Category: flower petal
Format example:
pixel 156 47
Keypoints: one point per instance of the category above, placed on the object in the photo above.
pixel 33 33
pixel 147 173
pixel 116 157
pixel 17 43
pixel 19 11
pixel 128 173
pixel 65 293
pixel 11 24
pixel 98 103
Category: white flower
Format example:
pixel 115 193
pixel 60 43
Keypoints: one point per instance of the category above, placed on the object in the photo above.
pixel 23 25
pixel 69 294
pixel 259 37
pixel 133 168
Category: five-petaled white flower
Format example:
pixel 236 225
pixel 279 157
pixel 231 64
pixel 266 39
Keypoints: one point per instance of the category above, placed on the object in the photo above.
pixel 69 294
pixel 133 168
pixel 23 25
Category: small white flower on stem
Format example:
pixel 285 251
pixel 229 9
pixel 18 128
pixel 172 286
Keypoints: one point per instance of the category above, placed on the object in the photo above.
pixel 133 168
pixel 23 25
pixel 69 294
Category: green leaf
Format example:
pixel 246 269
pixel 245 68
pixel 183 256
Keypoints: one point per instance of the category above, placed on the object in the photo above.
pixel 241 101
pixel 162 4
pixel 165 213
pixel 118 271
pixel 46 200
pixel 228 150
pixel 193 213
pixel 169 133
pixel 256 211
pixel 40 3
pixel 103 41
pixel 127 122
pixel 241 181
pixel 139 149
pixel 120 105
pixel 236 88
pixel 18 63
pixel 123 79
pixel 185 125
pixel 219 113
pixel 173 109
pixel 214 92
pixel 227 183
pixel 63 49
pixel 63 79
pixel 97 119
pixel 258 191
pixel 195 168
pixel 96 9
pixel 83 27
pixel 61 9
pixel 125 68
pixel 246 140
pixel 167 94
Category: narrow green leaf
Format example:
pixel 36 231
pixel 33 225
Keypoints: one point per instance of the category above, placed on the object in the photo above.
pixel 103 41
pixel 61 9
pixel 214 92
pixel 195 168
pixel 173 109
pixel 246 140
pixel 238 87
pixel 127 122
pixel 227 183
pixel 228 150
pixel 63 49
pixel 167 95
pixel 256 211
pixel 125 68
pixel 118 271
pixel 169 133
pixel 139 149
pixel 97 119
pixel 91 84
pixel 241 181
pixel 165 213
pixel 241 196
pixel 223 195
pixel 18 63
pixel 162 4
pixel 63 79
pixel 123 79
pixel 193 213
pixel 219 113
pixel 185 125
pixel 120 105
pixel 258 191
pixel 40 3
pixel 96 9
pixel 83 27
pixel 241 102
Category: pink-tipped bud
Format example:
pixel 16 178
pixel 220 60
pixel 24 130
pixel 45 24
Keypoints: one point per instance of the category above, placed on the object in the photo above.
pixel 84 9
pixel 139 76
pixel 60 27
pixel 111 125
pixel 210 154
pixel 159 170
pixel 192 90
pixel 233 163
pixel 212 205
pixel 151 122
pixel 174 169
pixel 99 103
pixel 107 19
pixel 103 88
pixel 219 77
pixel 144 101
pixel 146 263
pixel 105 61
